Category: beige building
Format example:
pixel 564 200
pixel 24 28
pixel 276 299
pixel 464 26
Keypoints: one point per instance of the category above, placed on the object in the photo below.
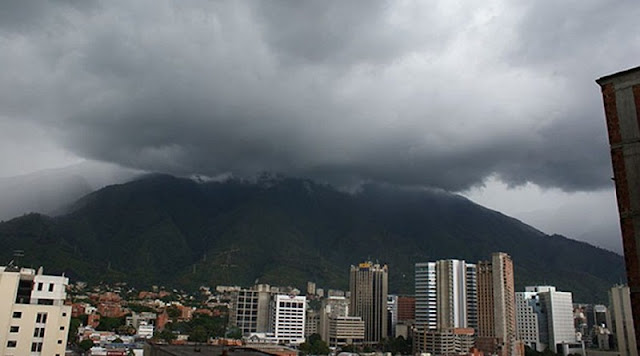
pixel 346 330
pixel 369 289
pixel 497 307
pixel 622 321
pixel 450 341
pixel 33 317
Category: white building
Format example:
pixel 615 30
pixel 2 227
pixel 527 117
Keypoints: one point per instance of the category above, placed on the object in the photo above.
pixel 544 318
pixel 288 319
pixel 346 330
pixel 145 330
pixel 33 317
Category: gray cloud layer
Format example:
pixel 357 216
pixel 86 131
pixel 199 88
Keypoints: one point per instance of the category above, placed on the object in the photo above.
pixel 441 94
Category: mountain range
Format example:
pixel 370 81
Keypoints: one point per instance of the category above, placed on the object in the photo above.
pixel 285 231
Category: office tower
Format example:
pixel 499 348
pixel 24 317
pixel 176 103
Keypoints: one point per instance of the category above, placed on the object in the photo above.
pixel 33 317
pixel 368 287
pixel 425 290
pixel 545 319
pixel 311 288
pixel 558 307
pixel 622 322
pixel 446 299
pixel 288 319
pixel 621 96
pixel 496 307
pixel 446 295
pixel 250 311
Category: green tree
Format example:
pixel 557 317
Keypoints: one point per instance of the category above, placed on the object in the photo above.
pixel 314 346
pixel 234 333
pixel 165 335
pixel 198 334
pixel 86 344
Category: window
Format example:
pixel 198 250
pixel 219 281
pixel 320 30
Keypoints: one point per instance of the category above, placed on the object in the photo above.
pixel 36 347
pixel 64 314
pixel 41 318
pixel 62 328
pixel 40 286
pixel 50 287
pixel 59 341
pixel 17 315
pixel 14 329
pixel 12 343
pixel 38 332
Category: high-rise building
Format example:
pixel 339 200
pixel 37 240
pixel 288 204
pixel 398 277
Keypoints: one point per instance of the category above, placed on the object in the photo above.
pixel 545 318
pixel 406 306
pixel 496 307
pixel 446 299
pixel 288 319
pixel 369 289
pixel 622 322
pixel 332 307
pixel 33 317
pixel 621 96
pixel 558 308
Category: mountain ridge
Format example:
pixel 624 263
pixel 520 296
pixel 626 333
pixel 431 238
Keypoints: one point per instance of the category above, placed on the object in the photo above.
pixel 166 230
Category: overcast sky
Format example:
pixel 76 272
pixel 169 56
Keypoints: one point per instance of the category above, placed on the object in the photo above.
pixel 494 99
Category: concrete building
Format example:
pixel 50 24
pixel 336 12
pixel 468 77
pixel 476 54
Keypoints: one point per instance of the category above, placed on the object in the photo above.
pixel 250 309
pixel 406 306
pixel 368 289
pixel 446 299
pixel 312 324
pixel 621 97
pixel 33 317
pixel 527 321
pixel 451 341
pixel 346 330
pixel 621 321
pixel 558 308
pixel 496 307
pixel 545 318
pixel 288 319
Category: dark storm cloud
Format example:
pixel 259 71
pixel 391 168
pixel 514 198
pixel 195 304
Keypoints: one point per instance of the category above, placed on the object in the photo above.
pixel 439 94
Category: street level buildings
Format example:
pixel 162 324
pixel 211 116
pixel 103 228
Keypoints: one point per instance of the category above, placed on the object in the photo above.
pixel 369 288
pixel 33 317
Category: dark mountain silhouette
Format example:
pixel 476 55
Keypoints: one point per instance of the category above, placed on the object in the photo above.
pixel 179 232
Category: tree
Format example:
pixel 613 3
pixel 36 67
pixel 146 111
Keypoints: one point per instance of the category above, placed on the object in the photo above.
pixel 117 341
pixel 234 333
pixel 198 334
pixel 165 335
pixel 86 344
pixel 314 346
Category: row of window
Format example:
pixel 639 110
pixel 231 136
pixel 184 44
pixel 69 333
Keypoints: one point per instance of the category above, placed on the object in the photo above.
pixel 35 347
pixel 41 285
pixel 40 317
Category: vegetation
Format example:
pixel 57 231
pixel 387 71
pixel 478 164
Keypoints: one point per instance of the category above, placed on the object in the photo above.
pixel 86 344
pixel 314 346
pixel 110 324
pixel 169 231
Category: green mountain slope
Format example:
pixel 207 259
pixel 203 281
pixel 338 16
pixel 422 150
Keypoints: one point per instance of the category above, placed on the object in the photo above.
pixel 173 231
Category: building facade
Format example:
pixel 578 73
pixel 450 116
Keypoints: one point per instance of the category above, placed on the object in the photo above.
pixel 251 308
pixel 33 317
pixel 446 299
pixel 621 97
pixel 288 319
pixel 368 293
pixel 346 330
pixel 622 322
pixel 497 331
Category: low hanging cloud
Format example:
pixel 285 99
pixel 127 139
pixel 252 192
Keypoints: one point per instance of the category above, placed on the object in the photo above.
pixel 439 94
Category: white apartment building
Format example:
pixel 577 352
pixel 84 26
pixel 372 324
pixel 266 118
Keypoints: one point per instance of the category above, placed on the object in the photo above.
pixel 527 323
pixel 288 319
pixel 33 317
